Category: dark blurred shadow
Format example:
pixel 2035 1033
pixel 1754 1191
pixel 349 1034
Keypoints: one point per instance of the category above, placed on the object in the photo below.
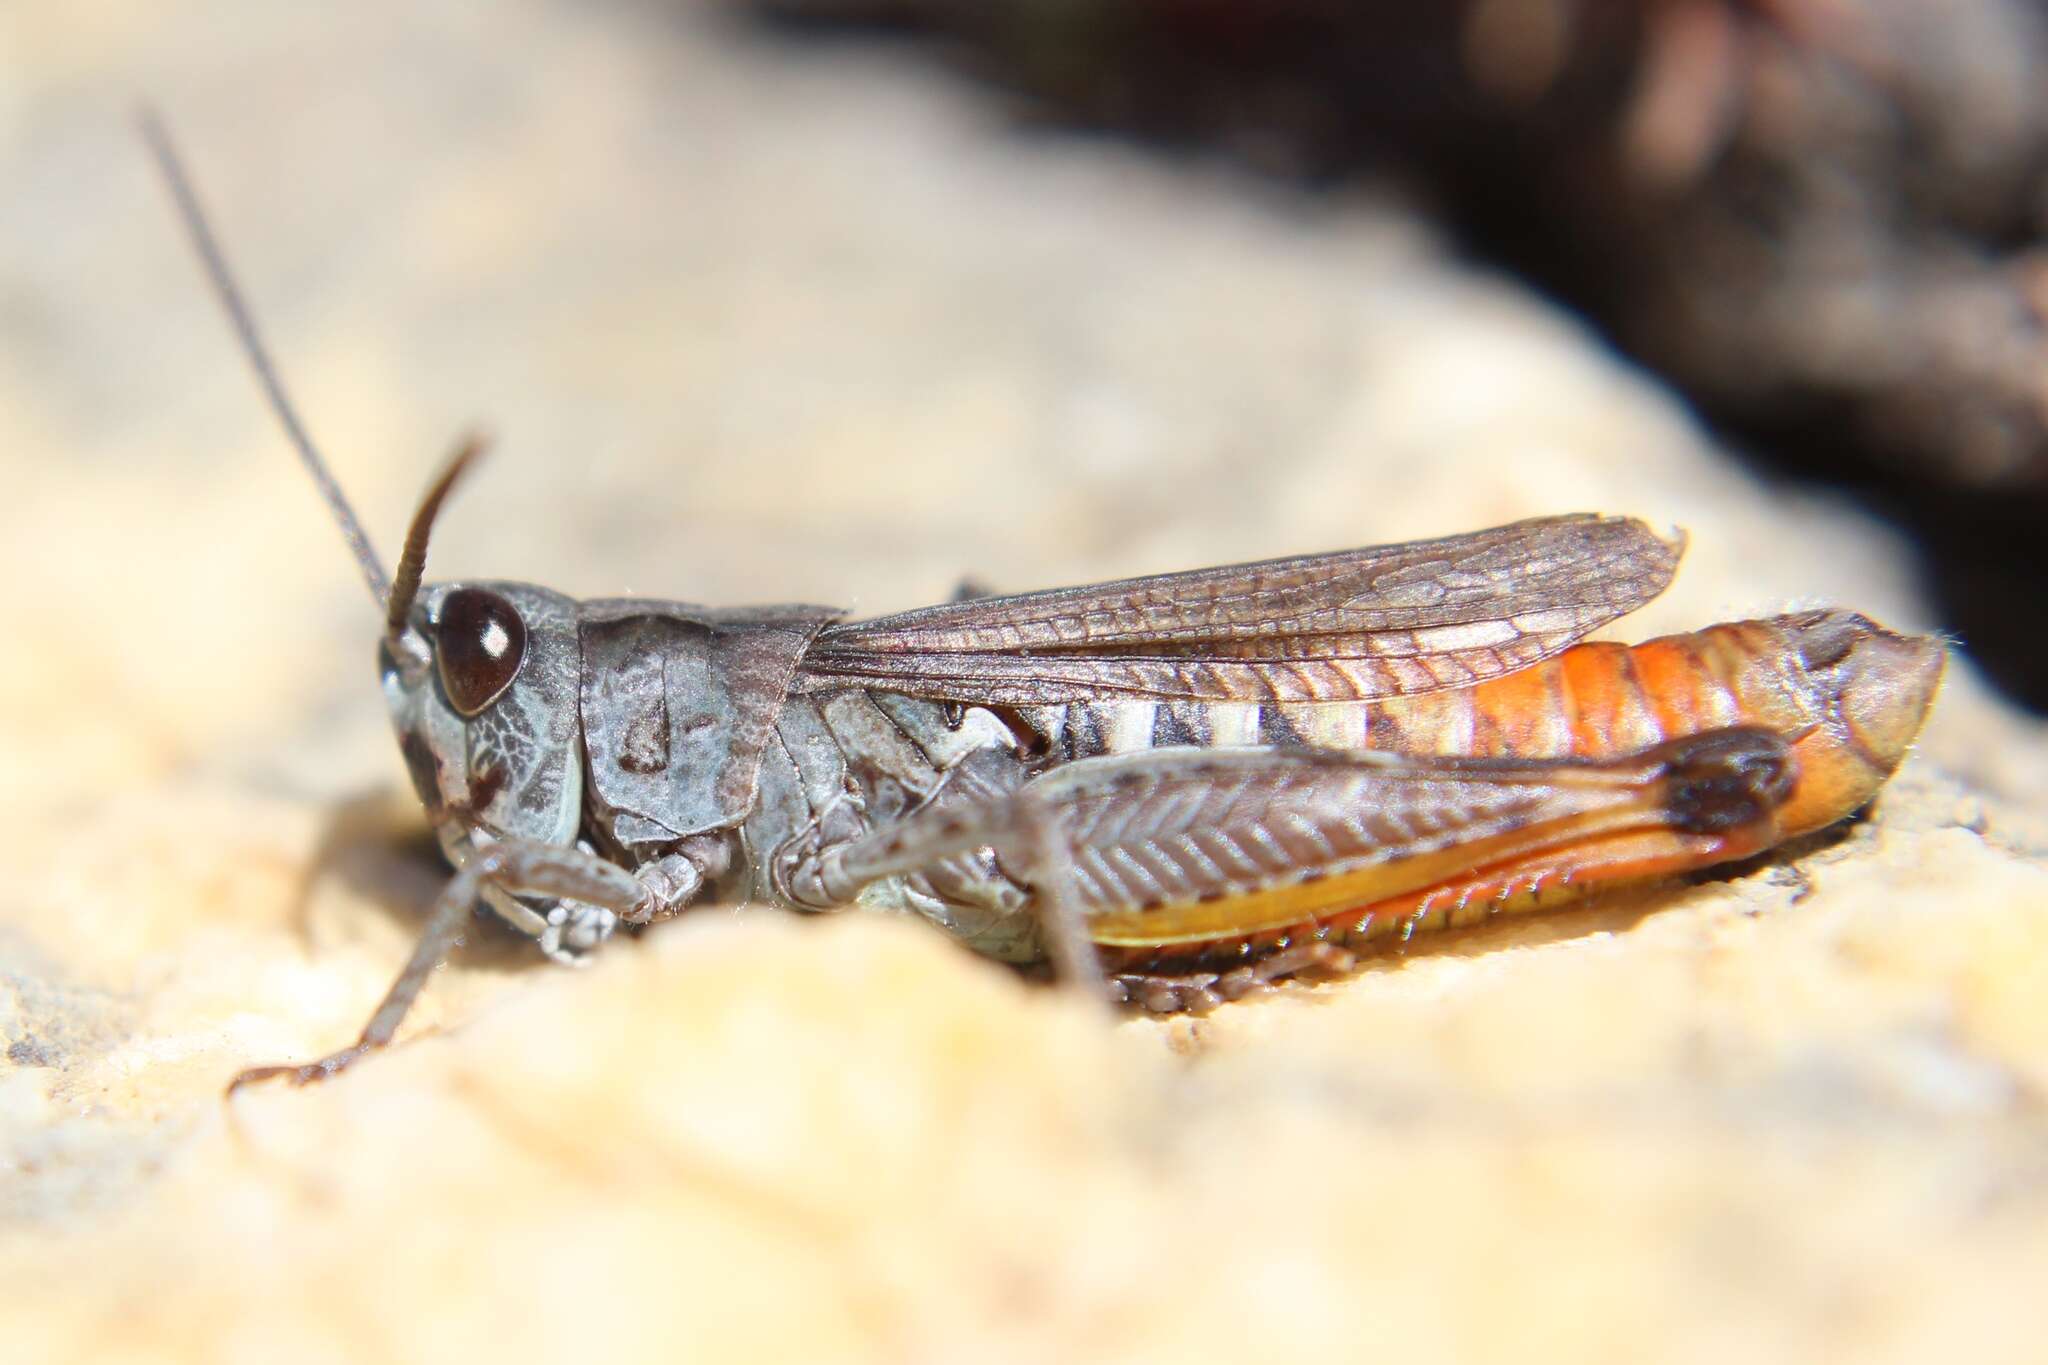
pixel 386 856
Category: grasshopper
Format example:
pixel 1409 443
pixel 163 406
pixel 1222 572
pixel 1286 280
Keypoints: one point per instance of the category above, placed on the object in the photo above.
pixel 1177 788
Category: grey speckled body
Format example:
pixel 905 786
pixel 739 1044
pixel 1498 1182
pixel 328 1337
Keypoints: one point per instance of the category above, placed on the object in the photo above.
pixel 757 754
pixel 695 748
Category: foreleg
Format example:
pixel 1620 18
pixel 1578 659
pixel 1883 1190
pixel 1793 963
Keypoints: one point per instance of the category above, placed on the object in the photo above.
pixel 512 866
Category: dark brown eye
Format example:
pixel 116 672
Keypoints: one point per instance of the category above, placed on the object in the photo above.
pixel 480 641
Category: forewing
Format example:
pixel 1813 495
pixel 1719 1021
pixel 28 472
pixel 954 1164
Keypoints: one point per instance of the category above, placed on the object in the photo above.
pixel 1348 626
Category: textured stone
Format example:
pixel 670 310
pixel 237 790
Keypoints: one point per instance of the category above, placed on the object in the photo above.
pixel 763 323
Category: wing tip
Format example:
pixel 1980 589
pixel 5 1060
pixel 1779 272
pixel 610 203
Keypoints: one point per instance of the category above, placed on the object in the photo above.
pixel 1656 548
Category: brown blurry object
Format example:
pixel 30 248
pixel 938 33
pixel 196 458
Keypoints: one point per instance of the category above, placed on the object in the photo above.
pixel 1825 215
pixel 1824 220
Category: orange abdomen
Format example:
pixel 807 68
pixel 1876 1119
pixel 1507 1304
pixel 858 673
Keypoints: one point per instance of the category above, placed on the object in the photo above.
pixel 1850 694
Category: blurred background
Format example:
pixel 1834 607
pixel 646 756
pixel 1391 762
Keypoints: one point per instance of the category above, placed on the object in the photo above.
pixel 1822 221
pixel 844 300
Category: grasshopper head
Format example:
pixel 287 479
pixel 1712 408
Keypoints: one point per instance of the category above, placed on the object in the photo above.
pixel 481 682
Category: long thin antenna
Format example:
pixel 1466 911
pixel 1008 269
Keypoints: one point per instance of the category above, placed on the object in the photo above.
pixel 158 139
pixel 412 560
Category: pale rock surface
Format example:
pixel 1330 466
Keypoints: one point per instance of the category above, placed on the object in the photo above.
pixel 763 322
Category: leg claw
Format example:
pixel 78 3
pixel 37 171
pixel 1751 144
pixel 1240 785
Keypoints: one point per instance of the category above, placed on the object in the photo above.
pixel 299 1075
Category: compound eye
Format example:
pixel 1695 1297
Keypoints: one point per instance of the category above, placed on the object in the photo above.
pixel 480 641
